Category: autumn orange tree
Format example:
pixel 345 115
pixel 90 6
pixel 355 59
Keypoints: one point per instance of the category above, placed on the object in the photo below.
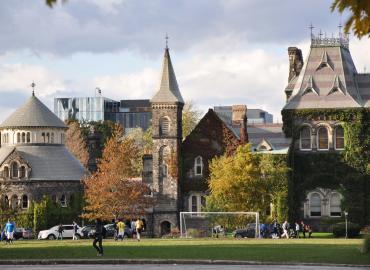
pixel 112 191
pixel 76 143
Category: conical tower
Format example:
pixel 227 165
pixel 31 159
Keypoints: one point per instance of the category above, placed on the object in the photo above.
pixel 167 105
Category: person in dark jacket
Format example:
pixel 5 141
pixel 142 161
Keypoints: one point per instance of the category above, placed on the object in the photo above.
pixel 99 233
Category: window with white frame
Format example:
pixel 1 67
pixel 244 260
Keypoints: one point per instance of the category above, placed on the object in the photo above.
pixel 315 205
pixel 322 138
pixel 339 138
pixel 305 138
pixel 198 165
pixel 335 209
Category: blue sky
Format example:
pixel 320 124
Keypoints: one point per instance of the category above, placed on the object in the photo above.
pixel 224 52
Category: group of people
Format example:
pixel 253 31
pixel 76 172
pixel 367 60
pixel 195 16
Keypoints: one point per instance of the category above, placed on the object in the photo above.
pixel 286 230
pixel 100 232
pixel 61 230
pixel 8 233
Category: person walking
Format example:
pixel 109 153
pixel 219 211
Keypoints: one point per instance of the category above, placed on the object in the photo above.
pixel 75 228
pixel 98 238
pixel 60 232
pixel 121 229
pixel 9 231
pixel 303 226
pixel 297 229
pixel 285 229
pixel 139 227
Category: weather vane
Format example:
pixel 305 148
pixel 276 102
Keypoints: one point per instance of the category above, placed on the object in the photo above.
pixel 166 38
pixel 33 88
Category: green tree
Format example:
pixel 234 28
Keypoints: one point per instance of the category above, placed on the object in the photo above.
pixel 190 118
pixel 246 181
pixel 359 20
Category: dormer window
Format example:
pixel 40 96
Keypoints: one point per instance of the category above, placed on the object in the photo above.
pixel 198 166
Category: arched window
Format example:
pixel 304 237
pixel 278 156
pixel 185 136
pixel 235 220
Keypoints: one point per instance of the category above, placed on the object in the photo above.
pixel 335 209
pixel 339 138
pixel 14 202
pixel 43 136
pixel 63 201
pixel 198 165
pixel 28 137
pixel 6 201
pixel 22 172
pixel 18 137
pixel 164 126
pixel 194 203
pixel 315 205
pixel 24 201
pixel 6 172
pixel 48 137
pixel 164 170
pixel 52 137
pixel 305 138
pixel 23 137
pixel 14 170
pixel 322 138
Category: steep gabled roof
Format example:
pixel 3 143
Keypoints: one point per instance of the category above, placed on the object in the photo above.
pixel 168 91
pixel 329 65
pixel 33 114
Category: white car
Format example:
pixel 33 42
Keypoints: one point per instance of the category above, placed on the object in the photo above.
pixel 52 233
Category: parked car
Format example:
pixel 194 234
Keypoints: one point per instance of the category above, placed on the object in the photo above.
pixel 248 232
pixel 52 233
pixel 86 229
pixel 111 231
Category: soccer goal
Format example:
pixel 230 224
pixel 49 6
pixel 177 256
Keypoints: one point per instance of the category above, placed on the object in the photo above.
pixel 219 224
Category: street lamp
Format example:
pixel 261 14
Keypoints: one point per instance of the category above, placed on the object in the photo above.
pixel 345 216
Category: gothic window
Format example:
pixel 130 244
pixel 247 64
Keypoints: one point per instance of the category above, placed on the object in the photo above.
pixel 315 205
pixel 28 137
pixel 22 172
pixel 164 170
pixel 24 201
pixel 52 137
pixel 14 202
pixel 164 126
pixel 305 138
pixel 14 170
pixel 6 201
pixel 339 138
pixel 198 165
pixel 335 209
pixel 43 136
pixel 63 201
pixel 23 137
pixel 322 138
pixel 6 172
pixel 18 137
pixel 194 204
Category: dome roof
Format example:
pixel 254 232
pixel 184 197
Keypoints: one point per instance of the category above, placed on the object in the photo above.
pixel 33 114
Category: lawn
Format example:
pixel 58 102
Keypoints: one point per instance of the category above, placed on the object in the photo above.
pixel 320 250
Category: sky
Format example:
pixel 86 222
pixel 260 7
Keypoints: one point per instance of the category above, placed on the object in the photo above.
pixel 224 52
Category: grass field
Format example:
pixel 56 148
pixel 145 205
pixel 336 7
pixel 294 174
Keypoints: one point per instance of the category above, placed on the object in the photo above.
pixel 322 250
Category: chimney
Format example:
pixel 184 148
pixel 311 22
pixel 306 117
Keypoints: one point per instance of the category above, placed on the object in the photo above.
pixel 295 62
pixel 239 117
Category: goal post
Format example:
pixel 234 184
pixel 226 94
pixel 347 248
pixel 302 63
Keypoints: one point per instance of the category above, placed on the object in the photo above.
pixel 205 224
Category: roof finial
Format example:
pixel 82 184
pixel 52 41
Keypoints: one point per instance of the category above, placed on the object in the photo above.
pixel 33 88
pixel 166 38
pixel 311 27
pixel 340 26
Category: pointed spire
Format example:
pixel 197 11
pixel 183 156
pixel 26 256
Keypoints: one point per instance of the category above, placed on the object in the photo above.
pixel 168 91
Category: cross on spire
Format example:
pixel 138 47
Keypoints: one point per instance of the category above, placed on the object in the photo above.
pixel 33 88
pixel 166 38
pixel 311 27
pixel 340 29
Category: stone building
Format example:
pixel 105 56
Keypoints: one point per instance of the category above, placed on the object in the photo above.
pixel 33 159
pixel 326 115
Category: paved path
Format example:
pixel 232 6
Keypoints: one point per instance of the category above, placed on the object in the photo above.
pixel 175 267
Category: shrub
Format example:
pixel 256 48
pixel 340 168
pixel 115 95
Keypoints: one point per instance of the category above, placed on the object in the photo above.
pixel 353 229
pixel 366 244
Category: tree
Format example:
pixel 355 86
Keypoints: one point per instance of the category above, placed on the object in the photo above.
pixel 111 192
pixel 246 181
pixel 52 3
pixel 359 20
pixel 76 143
pixel 190 118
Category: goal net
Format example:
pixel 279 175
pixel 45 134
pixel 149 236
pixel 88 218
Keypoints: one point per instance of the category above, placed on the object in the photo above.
pixel 219 224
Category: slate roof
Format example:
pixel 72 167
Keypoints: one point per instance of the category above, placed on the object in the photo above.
pixel 48 162
pixel 272 133
pixel 33 114
pixel 329 79
pixel 168 91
